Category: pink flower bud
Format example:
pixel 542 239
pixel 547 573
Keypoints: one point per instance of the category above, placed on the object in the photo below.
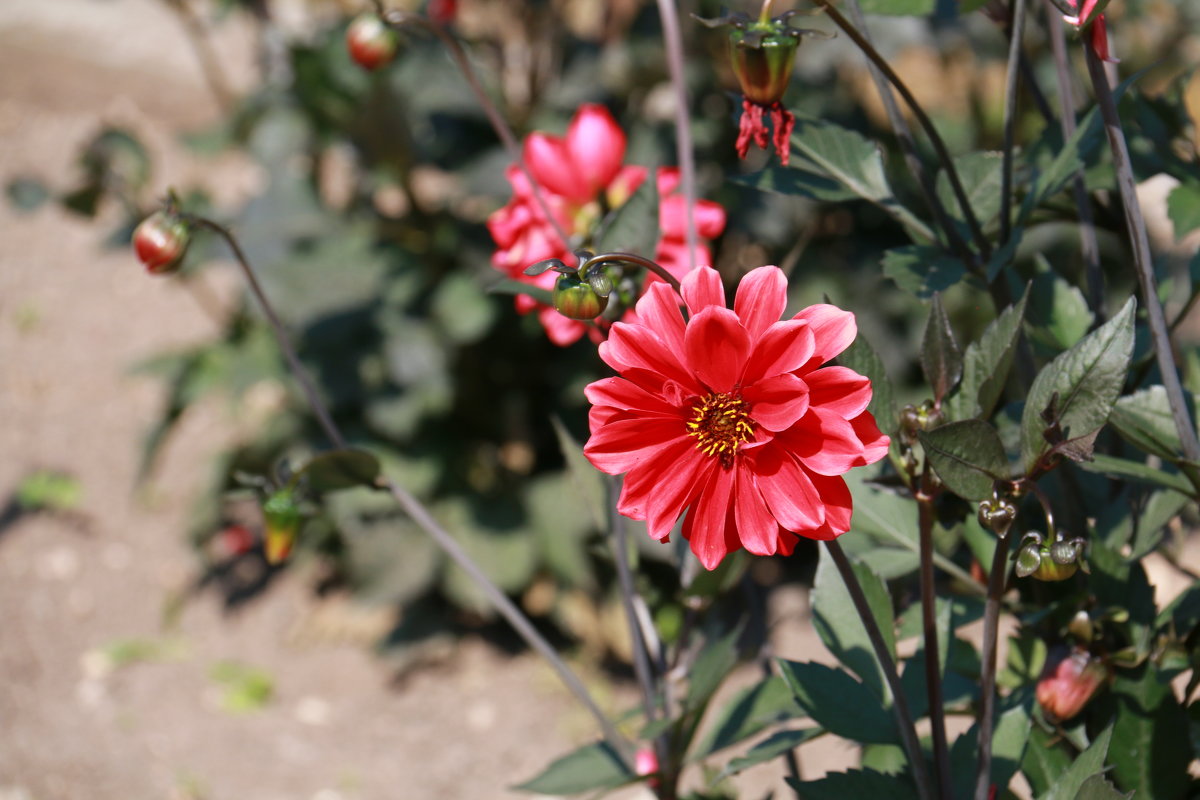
pixel 1068 681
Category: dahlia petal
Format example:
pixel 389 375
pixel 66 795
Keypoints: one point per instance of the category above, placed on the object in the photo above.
pixel 629 179
pixel 787 489
pixel 662 488
pixel 599 416
pixel 875 442
pixel 784 347
pixel 824 442
pixel 757 529
pixel 622 444
pixel 760 299
pixel 715 347
pixel 667 180
pixel 702 288
pixel 550 162
pixel 705 527
pixel 639 346
pixel 833 331
pixel 777 403
pixel 658 309
pixel 626 395
pixel 596 146
pixel 784 123
pixel 710 219
pixel 838 504
pixel 559 329
pixel 840 390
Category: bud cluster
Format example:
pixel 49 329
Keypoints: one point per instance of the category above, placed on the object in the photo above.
pixel 1048 560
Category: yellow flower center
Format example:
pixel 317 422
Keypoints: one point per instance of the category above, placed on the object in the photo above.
pixel 720 423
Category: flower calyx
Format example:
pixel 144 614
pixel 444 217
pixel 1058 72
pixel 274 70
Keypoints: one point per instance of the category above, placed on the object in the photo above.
pixel 1047 560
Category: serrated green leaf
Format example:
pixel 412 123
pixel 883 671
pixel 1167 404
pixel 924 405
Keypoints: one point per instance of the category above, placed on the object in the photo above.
pixel 941 358
pixel 922 270
pixel 1090 762
pixel 1078 389
pixel 769 748
pixel 340 469
pixel 840 626
pixel 751 711
pixel 1045 759
pixel 855 784
pixel 840 704
pixel 981 177
pixel 968 456
pixel 1183 207
pixel 591 768
pixel 1097 787
pixel 863 359
pixel 986 364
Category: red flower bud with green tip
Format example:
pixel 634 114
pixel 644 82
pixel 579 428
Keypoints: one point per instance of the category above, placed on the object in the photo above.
pixel 1068 681
pixel 576 299
pixel 371 43
pixel 282 513
pixel 161 241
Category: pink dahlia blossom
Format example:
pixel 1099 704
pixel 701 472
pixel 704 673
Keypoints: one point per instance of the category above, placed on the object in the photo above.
pixel 573 173
pixel 730 415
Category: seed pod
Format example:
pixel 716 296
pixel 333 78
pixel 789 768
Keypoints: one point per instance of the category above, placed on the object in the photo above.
pixel 161 241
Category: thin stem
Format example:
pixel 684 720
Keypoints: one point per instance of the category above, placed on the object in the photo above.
pixel 935 139
pixel 683 132
pixel 210 64
pixel 905 138
pixel 397 19
pixel 904 720
pixel 1136 226
pixel 933 673
pixel 1089 247
pixel 415 510
pixel 636 260
pixel 1012 84
pixel 987 679
pixel 641 659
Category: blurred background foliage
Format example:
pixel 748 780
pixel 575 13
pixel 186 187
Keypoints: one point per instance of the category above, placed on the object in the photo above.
pixel 368 234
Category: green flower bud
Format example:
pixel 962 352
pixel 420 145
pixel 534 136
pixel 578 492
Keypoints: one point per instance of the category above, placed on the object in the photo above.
pixel 282 514
pixel 762 60
pixel 575 299
pixel 997 515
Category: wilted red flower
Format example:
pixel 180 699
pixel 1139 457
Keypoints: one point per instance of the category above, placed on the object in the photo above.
pixel 731 415
pixel 1098 28
pixel 1068 682
pixel 573 173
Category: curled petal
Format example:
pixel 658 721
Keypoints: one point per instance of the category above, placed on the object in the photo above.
pixel 623 444
pixel 550 162
pixel 784 347
pixel 833 331
pixel 824 442
pixel 639 347
pixel 837 502
pixel 787 489
pixel 596 147
pixel 875 442
pixel 626 395
pixel 702 288
pixel 840 390
pixel 659 309
pixel 760 299
pixel 783 122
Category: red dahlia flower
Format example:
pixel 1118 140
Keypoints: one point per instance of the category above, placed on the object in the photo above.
pixel 731 415
pixel 573 173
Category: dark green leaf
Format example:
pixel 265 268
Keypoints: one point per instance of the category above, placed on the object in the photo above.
pixel 769 748
pixel 1183 207
pixel 863 359
pixel 855 784
pixel 1137 471
pixel 27 193
pixel 632 228
pixel 986 364
pixel 1058 313
pixel 980 174
pixel 840 626
pixel 1090 762
pixel 462 309
pixel 587 480
pixel 840 704
pixel 1045 759
pixel 340 469
pixel 922 270
pixel 1150 749
pixel 751 711
pixel 561 528
pixel 712 666
pixel 1009 739
pixel 790 180
pixel 85 200
pixel 1098 788
pixel 968 456
pixel 1072 396
pixel 941 358
pixel 888 563
pixel 590 768
pixel 506 286
pixel 1144 420
pixel 899 8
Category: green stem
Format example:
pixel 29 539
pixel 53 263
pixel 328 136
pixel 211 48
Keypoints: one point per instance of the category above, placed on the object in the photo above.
pixel 987 678
pixel 1012 84
pixel 415 510
pixel 935 139
pixel 1143 266
pixel 636 260
pixel 904 720
pixel 683 131
pixel 933 673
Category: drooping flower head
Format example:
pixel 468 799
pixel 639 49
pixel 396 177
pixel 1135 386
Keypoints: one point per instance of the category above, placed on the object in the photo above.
pixel 730 415
pixel 579 176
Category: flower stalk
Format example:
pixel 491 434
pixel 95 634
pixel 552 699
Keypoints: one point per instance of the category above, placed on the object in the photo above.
pixel 413 507
pixel 933 676
pixel 673 40
pixel 987 678
pixel 1012 84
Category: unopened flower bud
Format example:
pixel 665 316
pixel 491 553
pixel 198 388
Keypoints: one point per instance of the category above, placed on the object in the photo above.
pixel 575 299
pixel 282 514
pixel 763 56
pixel 997 515
pixel 1050 561
pixel 1082 627
pixel 1068 681
pixel 370 42
pixel 161 241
